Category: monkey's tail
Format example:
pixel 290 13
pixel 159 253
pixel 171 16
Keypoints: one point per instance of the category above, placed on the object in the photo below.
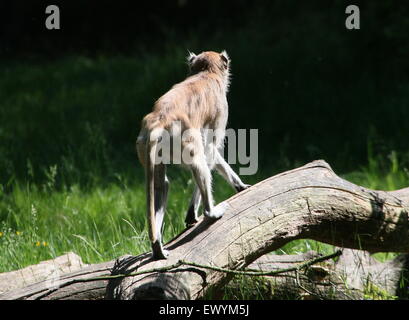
pixel 150 185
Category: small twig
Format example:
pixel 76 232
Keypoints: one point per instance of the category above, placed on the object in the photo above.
pixel 266 273
pixel 297 274
pixel 116 276
pixel 300 266
pixel 192 264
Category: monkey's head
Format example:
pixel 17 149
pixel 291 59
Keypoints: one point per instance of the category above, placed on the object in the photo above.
pixel 209 61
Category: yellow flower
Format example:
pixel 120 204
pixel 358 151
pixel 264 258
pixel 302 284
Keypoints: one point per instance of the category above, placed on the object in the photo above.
pixel 38 243
pixel 1 234
pixel 45 243
pixel 18 233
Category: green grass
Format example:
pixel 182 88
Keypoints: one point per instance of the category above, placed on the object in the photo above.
pixel 100 223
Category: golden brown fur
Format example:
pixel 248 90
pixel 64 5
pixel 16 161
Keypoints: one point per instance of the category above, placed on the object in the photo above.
pixel 196 103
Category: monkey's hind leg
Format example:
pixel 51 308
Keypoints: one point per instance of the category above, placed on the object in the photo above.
pixel 194 156
pixel 192 212
pixel 203 177
pixel 161 195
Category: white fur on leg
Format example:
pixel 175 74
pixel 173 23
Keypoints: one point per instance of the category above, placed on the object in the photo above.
pixel 217 211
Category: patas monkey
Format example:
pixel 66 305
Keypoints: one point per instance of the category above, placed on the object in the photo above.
pixel 184 113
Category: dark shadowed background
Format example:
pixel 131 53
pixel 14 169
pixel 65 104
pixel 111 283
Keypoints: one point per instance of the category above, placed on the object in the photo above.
pixel 74 97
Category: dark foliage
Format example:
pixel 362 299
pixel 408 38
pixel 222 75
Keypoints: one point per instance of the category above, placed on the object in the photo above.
pixel 313 88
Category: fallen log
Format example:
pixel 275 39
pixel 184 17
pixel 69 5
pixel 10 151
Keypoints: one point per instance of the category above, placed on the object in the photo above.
pixel 355 275
pixel 308 202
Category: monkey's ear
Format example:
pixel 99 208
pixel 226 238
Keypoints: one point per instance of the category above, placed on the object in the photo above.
pixel 225 56
pixel 191 56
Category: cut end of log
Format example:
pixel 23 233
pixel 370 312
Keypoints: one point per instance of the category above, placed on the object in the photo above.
pixel 49 270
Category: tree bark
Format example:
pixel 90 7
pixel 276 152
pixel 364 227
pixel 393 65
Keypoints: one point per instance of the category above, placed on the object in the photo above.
pixel 355 275
pixel 309 202
pixel 49 270
pixel 63 286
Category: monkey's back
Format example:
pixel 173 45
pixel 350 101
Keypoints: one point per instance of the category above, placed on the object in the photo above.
pixel 196 102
